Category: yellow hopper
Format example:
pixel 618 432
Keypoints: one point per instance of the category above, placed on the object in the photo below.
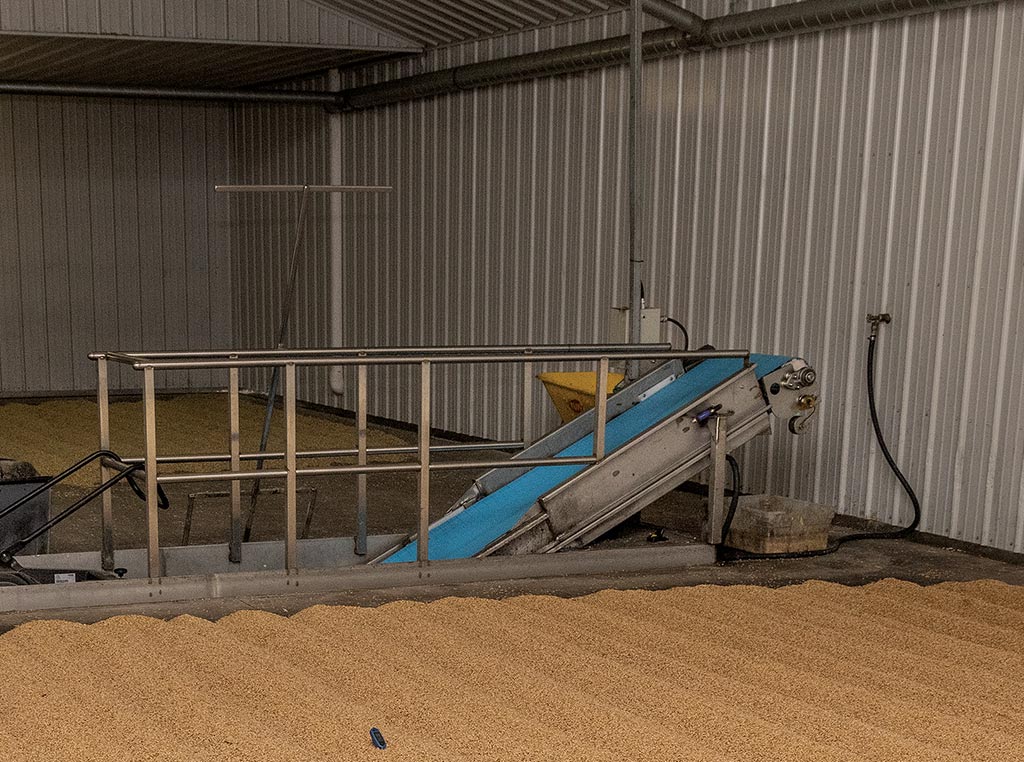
pixel 574 393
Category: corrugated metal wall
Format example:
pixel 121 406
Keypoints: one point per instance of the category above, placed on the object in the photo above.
pixel 289 145
pixel 284 21
pixel 793 186
pixel 110 237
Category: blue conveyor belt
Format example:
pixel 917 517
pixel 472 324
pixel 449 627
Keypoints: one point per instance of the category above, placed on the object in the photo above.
pixel 468 532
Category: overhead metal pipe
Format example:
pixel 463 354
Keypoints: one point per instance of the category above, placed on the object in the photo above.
pixel 292 97
pixel 814 16
pixel 674 15
pixel 565 60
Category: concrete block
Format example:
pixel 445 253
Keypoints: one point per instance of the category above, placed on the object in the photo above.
pixel 16 470
pixel 775 524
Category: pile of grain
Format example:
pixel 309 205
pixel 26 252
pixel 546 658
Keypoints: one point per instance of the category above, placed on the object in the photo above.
pixel 819 672
pixel 55 433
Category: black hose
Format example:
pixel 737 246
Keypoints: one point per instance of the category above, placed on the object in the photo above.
pixel 893 534
pixel 737 487
pixel 681 327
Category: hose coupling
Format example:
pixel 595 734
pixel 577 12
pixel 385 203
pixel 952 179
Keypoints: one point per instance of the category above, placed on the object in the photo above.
pixel 876 321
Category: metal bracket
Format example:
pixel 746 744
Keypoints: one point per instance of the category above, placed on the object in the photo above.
pixel 196 496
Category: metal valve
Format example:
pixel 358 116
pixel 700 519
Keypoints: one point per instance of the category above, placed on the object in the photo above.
pixel 877 320
pixel 798 379
pixel 706 415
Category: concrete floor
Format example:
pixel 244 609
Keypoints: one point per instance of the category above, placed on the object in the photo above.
pixel 854 564
pixel 393 509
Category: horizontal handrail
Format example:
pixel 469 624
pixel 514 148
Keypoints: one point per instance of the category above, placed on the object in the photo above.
pixel 369 468
pixel 373 351
pixel 441 359
pixel 251 456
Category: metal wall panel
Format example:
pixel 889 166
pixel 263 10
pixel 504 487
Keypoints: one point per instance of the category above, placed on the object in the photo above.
pixel 302 22
pixel 792 187
pixel 274 144
pixel 112 237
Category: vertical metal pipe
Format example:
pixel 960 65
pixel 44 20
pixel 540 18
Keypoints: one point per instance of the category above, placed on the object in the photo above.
pixel 107 521
pixel 337 373
pixel 361 498
pixel 527 404
pixel 635 135
pixel 291 560
pixel 152 508
pixel 422 550
pixel 235 444
pixel 282 334
pixel 601 405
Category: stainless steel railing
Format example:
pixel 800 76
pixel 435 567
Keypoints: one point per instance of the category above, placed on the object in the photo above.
pixel 149 363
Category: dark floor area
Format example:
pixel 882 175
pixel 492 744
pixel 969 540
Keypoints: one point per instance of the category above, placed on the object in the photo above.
pixel 854 564
pixel 393 507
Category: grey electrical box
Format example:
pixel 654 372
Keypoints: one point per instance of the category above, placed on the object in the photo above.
pixel 650 326
pixel 28 517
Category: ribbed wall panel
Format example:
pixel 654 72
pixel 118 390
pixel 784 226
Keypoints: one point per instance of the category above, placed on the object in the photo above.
pixel 286 145
pixel 792 187
pixel 111 237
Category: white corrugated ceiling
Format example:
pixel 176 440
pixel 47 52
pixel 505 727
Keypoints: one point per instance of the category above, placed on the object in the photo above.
pixel 239 43
pixel 162 63
pixel 215 43
pixel 439 22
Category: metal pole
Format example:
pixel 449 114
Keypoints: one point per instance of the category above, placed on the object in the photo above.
pixel 716 484
pixel 527 404
pixel 422 551
pixel 152 508
pixel 635 135
pixel 302 188
pixel 282 333
pixel 107 522
pixel 601 403
pixel 235 445
pixel 291 560
pixel 336 279
pixel 361 499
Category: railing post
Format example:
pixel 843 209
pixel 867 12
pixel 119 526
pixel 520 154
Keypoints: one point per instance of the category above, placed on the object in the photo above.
pixel 107 521
pixel 361 498
pixel 601 406
pixel 716 483
pixel 152 507
pixel 527 404
pixel 291 560
pixel 235 443
pixel 423 539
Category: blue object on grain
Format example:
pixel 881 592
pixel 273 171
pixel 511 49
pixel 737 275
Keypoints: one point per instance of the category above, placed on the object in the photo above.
pixel 470 531
pixel 378 739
